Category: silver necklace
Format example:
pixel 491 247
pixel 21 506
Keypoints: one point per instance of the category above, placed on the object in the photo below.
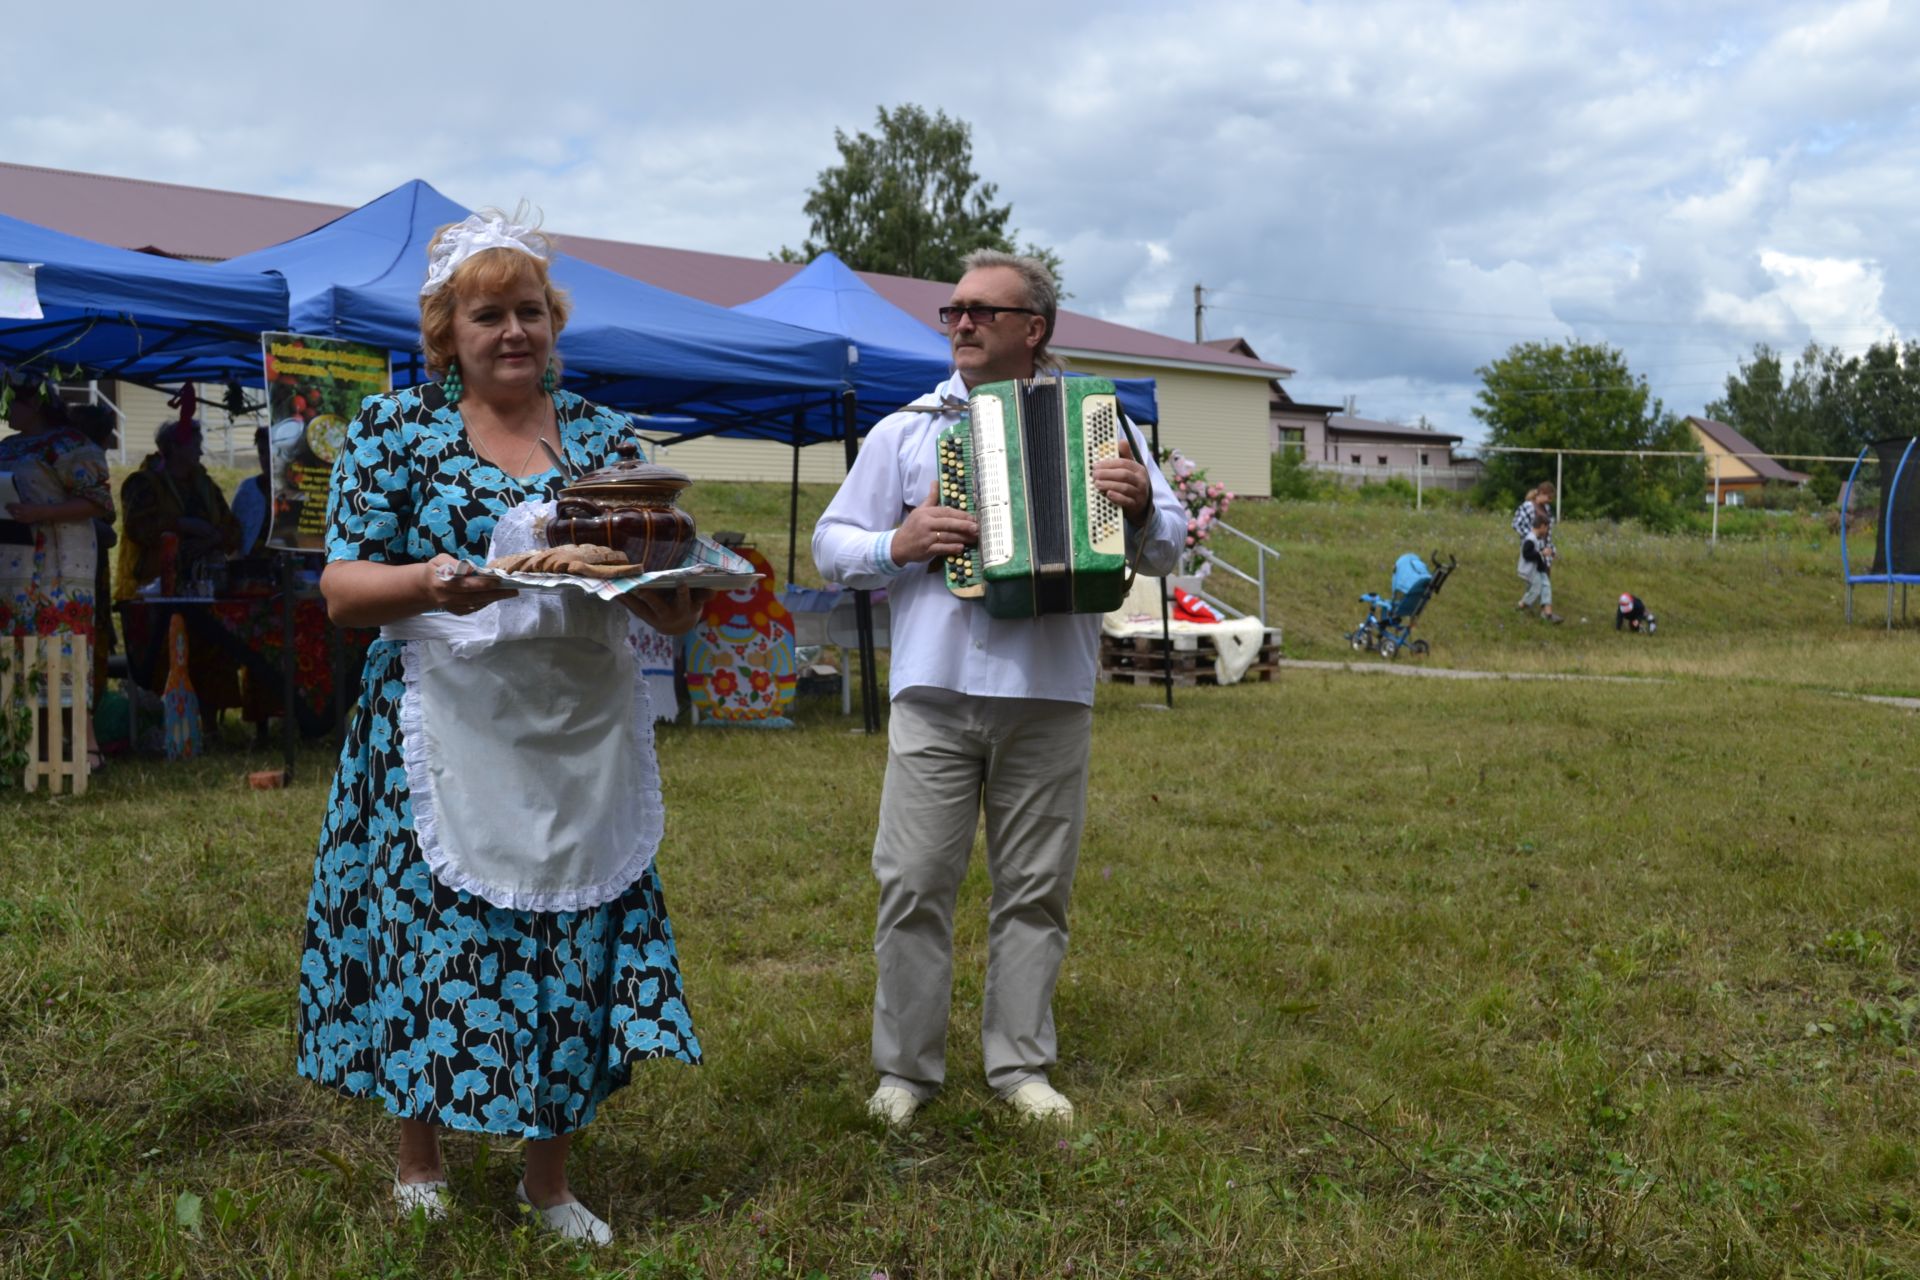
pixel 486 455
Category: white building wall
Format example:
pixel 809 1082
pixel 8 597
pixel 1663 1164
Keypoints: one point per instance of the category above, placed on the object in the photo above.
pixel 1218 420
pixel 714 458
pixel 144 409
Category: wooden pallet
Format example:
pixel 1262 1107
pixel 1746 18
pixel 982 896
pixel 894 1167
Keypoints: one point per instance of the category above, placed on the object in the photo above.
pixel 57 751
pixel 1145 659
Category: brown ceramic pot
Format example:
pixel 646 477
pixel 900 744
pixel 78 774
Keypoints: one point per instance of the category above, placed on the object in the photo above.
pixel 628 506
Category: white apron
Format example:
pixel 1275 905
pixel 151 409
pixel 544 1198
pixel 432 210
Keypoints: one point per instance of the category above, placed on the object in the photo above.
pixel 527 735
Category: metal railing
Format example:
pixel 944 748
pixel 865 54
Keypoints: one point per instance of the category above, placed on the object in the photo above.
pixel 1257 579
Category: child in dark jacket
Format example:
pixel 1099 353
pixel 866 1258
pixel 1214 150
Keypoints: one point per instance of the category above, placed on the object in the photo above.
pixel 1632 615
pixel 1536 570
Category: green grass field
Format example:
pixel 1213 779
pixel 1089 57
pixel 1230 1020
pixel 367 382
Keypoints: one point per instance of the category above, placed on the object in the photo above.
pixel 1369 977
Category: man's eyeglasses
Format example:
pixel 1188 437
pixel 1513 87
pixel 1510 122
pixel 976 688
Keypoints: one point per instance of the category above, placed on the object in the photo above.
pixel 950 316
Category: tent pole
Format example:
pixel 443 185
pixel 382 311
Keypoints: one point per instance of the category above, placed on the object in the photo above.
pixel 793 498
pixel 288 693
pixel 1166 622
pixel 862 600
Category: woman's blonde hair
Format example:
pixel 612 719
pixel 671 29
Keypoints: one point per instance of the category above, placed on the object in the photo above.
pixel 489 271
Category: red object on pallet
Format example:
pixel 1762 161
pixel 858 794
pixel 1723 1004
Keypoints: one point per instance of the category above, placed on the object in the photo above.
pixel 1188 607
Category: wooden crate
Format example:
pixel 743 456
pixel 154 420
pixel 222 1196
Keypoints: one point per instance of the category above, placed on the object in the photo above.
pixel 1144 659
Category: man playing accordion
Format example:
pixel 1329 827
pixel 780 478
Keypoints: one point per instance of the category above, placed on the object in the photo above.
pixel 986 712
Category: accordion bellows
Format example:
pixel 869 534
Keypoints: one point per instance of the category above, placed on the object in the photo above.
pixel 1022 462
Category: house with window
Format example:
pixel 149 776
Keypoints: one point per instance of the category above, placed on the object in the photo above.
pixel 1328 437
pixel 1741 466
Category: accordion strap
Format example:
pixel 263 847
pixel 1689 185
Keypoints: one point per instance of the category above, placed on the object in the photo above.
pixel 1143 458
pixel 945 404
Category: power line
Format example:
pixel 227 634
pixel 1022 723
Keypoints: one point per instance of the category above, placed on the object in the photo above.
pixel 1500 315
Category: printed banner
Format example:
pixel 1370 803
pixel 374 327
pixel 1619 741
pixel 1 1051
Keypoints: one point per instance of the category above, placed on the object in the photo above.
pixel 19 300
pixel 314 389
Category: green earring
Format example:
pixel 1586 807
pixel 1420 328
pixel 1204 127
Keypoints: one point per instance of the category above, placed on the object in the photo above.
pixel 451 386
pixel 550 379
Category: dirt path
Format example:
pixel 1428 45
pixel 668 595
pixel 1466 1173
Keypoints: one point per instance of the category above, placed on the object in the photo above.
pixel 1454 673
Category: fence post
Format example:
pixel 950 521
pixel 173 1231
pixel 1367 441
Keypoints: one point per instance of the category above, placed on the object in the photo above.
pixel 1559 484
pixel 1418 486
pixel 1713 538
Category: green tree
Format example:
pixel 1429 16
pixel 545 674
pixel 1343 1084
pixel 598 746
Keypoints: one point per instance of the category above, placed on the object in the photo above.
pixel 1828 403
pixel 1550 395
pixel 1776 409
pixel 906 200
pixel 1870 397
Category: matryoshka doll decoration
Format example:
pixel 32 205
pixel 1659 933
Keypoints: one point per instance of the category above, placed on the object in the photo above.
pixel 740 664
pixel 180 708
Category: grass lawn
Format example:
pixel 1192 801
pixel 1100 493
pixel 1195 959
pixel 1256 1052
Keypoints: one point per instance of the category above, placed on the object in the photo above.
pixel 1369 977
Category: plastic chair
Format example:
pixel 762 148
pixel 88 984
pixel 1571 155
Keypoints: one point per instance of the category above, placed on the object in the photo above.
pixel 843 629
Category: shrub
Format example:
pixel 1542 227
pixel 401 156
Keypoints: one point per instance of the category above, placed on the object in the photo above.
pixel 1293 480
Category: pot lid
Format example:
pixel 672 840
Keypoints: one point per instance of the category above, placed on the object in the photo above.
pixel 631 477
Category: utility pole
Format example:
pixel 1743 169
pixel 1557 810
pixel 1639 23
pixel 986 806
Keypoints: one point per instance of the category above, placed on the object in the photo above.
pixel 1198 308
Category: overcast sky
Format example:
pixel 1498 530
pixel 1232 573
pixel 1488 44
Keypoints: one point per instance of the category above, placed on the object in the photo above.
pixel 1381 196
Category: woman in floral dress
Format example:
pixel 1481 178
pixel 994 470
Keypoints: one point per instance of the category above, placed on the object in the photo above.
pixel 454 1012
pixel 47 552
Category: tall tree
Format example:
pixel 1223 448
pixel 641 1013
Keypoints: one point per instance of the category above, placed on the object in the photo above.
pixel 1777 409
pixel 1549 395
pixel 1784 411
pixel 906 200
pixel 1828 403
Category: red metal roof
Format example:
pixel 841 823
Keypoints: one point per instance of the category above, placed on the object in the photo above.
pixel 198 222
pixel 183 222
pixel 1751 454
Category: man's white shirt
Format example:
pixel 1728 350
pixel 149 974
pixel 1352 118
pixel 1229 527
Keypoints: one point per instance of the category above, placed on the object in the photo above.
pixel 941 641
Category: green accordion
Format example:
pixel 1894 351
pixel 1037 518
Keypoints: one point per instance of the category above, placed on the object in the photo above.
pixel 1021 462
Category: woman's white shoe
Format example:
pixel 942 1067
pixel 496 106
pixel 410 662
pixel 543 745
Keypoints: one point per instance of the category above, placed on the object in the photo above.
pixel 429 1197
pixel 570 1221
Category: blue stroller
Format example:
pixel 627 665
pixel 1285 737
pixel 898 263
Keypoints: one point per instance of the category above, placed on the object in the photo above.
pixel 1390 621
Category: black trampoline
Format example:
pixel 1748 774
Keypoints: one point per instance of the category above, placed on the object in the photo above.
pixel 1896 543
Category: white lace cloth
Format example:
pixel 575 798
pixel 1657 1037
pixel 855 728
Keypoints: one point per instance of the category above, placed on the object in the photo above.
pixel 533 785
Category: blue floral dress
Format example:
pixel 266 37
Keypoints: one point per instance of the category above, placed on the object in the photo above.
pixel 447 1008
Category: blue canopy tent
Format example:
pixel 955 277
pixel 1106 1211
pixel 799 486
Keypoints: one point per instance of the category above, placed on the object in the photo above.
pixel 899 357
pixel 629 344
pixel 119 313
pixel 897 360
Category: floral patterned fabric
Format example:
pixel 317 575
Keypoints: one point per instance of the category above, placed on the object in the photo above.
pixel 740 659
pixel 247 635
pixel 444 1007
pixel 46 585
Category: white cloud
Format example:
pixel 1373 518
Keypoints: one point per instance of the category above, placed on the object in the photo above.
pixel 1384 194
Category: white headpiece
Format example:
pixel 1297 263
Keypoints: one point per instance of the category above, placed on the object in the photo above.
pixel 480 232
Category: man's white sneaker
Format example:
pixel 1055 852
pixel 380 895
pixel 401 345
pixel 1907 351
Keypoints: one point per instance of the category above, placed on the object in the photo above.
pixel 428 1197
pixel 1037 1100
pixel 894 1105
pixel 570 1221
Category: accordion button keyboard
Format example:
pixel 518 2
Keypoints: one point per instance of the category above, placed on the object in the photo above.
pixel 962 569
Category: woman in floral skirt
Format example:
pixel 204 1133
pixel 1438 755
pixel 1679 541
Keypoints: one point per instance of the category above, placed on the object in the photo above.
pixel 453 1010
